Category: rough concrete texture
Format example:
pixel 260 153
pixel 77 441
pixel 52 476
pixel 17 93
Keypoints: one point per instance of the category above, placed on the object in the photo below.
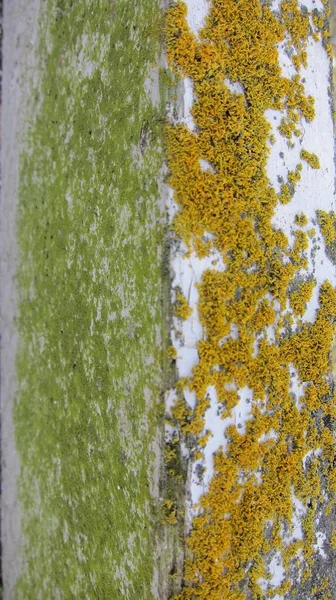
pixel 19 40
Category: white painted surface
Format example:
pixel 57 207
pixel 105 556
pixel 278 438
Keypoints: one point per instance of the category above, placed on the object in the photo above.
pixel 188 98
pixel 321 538
pixel 315 191
pixel 197 12
pixel 276 574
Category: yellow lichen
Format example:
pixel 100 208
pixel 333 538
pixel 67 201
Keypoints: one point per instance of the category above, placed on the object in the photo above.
pixel 301 295
pixel 169 512
pixel 285 194
pixel 301 219
pixel 333 540
pixel 172 352
pixel 327 223
pixel 236 203
pixel 170 454
pixel 181 307
pixel 330 51
pixel 296 22
pixel 295 176
pixel 311 158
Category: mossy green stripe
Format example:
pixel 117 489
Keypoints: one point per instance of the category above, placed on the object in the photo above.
pixel 90 313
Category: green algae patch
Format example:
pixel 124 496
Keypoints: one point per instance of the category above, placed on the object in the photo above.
pixel 90 367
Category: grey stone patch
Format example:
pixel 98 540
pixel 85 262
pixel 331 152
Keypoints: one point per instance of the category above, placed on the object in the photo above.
pixel 323 563
pixel 152 85
pixel 20 26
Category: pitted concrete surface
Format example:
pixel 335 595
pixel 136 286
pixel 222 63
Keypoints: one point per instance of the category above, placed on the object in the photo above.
pixel 19 43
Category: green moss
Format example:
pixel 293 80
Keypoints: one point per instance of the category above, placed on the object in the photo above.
pixel 90 316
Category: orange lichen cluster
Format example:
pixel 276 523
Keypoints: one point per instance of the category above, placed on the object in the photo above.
pixel 256 476
pixel 172 352
pixel 301 219
pixel 311 158
pixel 169 512
pixel 287 190
pixel 181 307
pixel 327 223
pixel 296 22
pixel 333 540
pixel 301 295
pixel 321 23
